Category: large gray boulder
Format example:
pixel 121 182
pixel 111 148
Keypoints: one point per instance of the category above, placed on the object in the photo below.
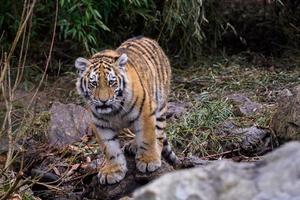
pixel 68 123
pixel 276 177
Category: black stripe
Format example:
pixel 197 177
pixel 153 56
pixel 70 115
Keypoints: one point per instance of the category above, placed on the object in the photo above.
pixel 140 110
pixel 160 57
pixel 103 127
pixel 99 118
pixel 165 142
pixel 163 106
pixel 143 148
pixel 148 53
pixel 160 138
pixel 112 157
pixel 145 52
pixel 106 181
pixel 115 137
pixel 159 128
pixel 81 84
pixel 157 67
pixel 120 90
pixel 161 119
pixel 147 56
pixel 119 93
pixel 144 96
pixel 131 108
pixel 83 88
pixel 123 82
pixel 153 112
pixel 145 143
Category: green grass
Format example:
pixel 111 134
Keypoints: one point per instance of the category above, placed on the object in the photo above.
pixel 205 87
pixel 193 133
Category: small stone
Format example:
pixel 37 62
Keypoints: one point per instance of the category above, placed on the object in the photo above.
pixel 243 106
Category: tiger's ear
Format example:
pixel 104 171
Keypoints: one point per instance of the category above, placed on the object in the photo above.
pixel 122 60
pixel 81 64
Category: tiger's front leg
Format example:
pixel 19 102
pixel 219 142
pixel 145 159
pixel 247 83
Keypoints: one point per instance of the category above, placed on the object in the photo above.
pixel 114 167
pixel 148 155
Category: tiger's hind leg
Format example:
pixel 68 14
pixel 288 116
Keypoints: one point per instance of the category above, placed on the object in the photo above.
pixel 167 152
pixel 114 167
pixel 161 124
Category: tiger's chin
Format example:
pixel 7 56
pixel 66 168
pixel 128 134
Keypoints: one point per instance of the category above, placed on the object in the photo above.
pixel 104 109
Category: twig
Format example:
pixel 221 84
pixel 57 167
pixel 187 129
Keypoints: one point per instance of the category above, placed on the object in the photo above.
pixel 8 104
pixel 22 45
pixel 220 154
pixel 21 65
pixel 13 187
pixel 19 32
pixel 48 58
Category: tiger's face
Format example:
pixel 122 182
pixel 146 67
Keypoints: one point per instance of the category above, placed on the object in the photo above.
pixel 102 81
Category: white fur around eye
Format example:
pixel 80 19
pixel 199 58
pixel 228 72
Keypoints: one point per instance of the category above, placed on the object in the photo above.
pixel 93 76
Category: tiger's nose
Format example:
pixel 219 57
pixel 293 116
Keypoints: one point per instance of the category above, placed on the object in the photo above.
pixel 103 101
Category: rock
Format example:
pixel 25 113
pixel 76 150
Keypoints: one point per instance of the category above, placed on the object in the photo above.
pixel 285 93
pixel 286 121
pixel 132 181
pixel 250 139
pixel 243 106
pixel 276 177
pixel 175 110
pixel 191 161
pixel 68 123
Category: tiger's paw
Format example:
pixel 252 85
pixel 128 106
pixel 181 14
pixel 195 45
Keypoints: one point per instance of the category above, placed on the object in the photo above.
pixel 112 173
pixel 148 163
pixel 130 147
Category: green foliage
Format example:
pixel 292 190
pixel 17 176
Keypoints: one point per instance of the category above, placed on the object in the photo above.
pixel 184 28
pixel 193 131
pixel 182 24
pixel 81 21
pixel 96 24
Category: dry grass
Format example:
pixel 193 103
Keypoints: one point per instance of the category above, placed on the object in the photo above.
pixel 15 126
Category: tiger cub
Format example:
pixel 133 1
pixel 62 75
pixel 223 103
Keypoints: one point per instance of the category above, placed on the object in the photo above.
pixel 128 88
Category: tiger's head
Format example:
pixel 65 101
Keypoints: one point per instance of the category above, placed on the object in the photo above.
pixel 102 80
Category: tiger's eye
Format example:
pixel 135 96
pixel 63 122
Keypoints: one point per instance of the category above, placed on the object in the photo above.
pixel 93 83
pixel 111 82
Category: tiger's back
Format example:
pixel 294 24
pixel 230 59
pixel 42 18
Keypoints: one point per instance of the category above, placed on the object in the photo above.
pixel 152 65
